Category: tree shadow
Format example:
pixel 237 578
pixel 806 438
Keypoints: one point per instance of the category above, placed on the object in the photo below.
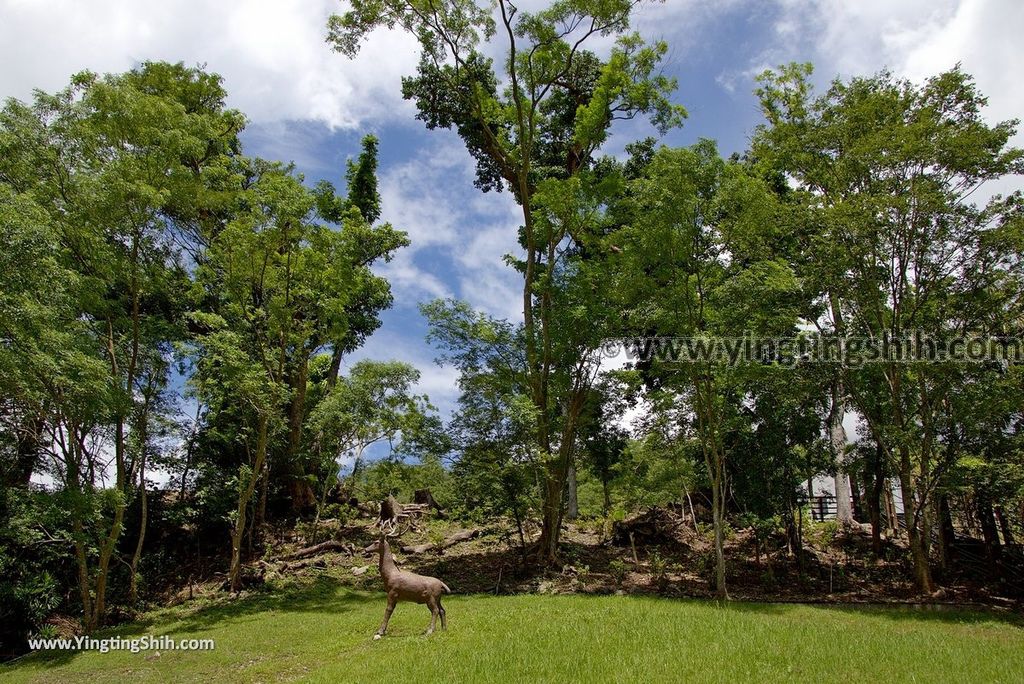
pixel 907 612
pixel 321 594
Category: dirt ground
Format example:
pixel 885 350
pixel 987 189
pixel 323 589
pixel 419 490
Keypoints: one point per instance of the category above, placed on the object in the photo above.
pixel 835 566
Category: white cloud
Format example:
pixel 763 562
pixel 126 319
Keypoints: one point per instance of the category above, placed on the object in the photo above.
pixel 917 39
pixel 271 53
pixel 409 281
pixel 424 196
pixel 439 383
pixel 431 196
pixel 914 38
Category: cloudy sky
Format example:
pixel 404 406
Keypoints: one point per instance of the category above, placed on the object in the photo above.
pixel 309 105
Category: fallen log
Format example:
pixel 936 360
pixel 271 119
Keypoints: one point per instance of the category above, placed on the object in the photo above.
pixel 307 563
pixel 323 547
pixel 452 540
pixel 418 548
pixel 461 536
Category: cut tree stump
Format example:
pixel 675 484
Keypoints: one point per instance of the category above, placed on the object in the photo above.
pixel 425 498
pixel 390 511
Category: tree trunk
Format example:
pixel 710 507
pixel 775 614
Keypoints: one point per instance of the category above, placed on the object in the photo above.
pixel 261 510
pixel 27 451
pixel 72 459
pixel 837 443
pixel 553 504
pixel 718 504
pixel 947 534
pixel 143 520
pixel 244 495
pixel 301 494
pixel 988 527
pixel 572 505
pixel 876 488
pixel 1004 524
pixel 858 499
pixel 99 605
pixel 190 449
pixel 892 522
pixel 551 516
pixel 606 491
pixel 918 552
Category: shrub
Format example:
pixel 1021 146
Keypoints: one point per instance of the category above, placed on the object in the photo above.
pixel 618 569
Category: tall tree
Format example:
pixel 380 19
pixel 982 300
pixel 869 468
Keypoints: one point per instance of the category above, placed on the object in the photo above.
pixel 697 263
pixel 282 285
pixel 554 109
pixel 889 168
pixel 108 159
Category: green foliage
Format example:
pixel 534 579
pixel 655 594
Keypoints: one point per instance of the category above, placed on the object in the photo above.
pixel 884 173
pixel 34 567
pixel 618 569
pixel 537 138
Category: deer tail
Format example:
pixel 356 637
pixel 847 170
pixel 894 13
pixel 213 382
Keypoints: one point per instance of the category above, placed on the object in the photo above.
pixel 446 589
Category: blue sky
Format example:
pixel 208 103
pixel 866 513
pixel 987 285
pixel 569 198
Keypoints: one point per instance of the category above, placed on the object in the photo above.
pixel 309 105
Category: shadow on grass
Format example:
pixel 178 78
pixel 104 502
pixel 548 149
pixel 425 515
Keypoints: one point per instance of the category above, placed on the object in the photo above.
pixel 913 612
pixel 327 595
pixel 321 595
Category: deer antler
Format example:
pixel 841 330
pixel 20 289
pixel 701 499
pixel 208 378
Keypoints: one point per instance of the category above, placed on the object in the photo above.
pixel 391 528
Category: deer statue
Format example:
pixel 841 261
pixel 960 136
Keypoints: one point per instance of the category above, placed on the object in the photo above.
pixel 407 586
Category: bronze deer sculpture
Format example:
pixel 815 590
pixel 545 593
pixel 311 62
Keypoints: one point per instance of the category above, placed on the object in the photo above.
pixel 407 586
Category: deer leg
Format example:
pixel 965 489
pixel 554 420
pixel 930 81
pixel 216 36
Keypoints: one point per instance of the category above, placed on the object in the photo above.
pixel 387 616
pixel 444 618
pixel 432 605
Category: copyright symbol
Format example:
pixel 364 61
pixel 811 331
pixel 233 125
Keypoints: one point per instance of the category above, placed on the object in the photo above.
pixel 610 349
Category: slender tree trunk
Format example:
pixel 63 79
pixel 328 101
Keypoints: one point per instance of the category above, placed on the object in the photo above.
pixel 572 506
pixel 947 534
pixel 143 520
pixel 27 451
pixel 261 509
pixel 190 449
pixel 1004 524
pixel 245 491
pixel 72 460
pixel 892 521
pixel 922 571
pixel 988 527
pixel 875 491
pixel 718 506
pixel 858 500
pixel 837 443
pixel 110 542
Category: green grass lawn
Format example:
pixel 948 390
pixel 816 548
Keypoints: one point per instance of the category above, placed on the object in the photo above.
pixel 323 633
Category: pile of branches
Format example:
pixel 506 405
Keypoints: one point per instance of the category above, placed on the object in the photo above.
pixel 656 525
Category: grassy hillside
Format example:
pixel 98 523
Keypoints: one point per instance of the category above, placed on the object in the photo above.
pixel 323 633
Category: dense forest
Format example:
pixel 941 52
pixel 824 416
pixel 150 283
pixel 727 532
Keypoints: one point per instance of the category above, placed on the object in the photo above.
pixel 177 404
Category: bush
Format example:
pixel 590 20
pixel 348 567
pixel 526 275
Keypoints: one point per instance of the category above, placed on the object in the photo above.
pixel 618 569
pixel 659 569
pixel 582 576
